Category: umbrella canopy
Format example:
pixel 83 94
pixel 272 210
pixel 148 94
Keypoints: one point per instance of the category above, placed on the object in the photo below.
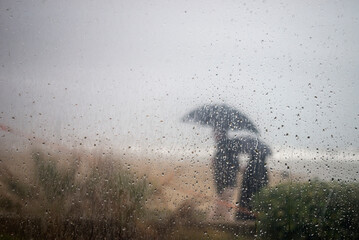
pixel 251 145
pixel 220 117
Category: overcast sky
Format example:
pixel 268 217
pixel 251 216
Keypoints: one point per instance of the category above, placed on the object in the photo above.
pixel 125 72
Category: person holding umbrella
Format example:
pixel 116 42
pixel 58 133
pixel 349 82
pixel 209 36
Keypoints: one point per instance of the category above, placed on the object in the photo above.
pixel 225 164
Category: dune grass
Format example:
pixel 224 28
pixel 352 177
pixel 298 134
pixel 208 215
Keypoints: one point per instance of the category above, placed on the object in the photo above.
pixel 106 198
pixel 92 196
pixel 310 210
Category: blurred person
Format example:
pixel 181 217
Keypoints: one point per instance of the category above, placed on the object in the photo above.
pixel 225 168
pixel 256 174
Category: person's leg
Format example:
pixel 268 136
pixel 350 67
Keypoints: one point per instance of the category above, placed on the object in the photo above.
pixel 223 206
pixel 225 182
pixel 214 214
pixel 262 173
pixel 246 190
pixel 226 204
pixel 247 184
pixel 254 179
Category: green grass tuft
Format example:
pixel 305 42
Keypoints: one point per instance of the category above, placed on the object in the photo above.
pixel 314 210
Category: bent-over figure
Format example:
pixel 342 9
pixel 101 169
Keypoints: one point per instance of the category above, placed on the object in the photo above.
pixel 226 167
pixel 256 175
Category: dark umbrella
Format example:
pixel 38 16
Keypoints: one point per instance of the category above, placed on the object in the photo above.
pixel 221 117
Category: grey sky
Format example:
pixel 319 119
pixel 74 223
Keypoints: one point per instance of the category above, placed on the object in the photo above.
pixel 128 70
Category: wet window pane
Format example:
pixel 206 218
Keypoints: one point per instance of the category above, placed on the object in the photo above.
pixel 179 120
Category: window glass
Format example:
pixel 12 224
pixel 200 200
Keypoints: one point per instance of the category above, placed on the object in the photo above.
pixel 179 119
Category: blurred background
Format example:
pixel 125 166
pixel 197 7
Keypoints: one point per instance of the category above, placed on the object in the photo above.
pixel 120 75
pixel 91 100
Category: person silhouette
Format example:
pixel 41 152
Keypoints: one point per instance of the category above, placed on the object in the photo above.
pixel 256 175
pixel 225 168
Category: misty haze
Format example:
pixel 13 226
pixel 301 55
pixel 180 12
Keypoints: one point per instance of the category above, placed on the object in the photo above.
pixel 122 109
